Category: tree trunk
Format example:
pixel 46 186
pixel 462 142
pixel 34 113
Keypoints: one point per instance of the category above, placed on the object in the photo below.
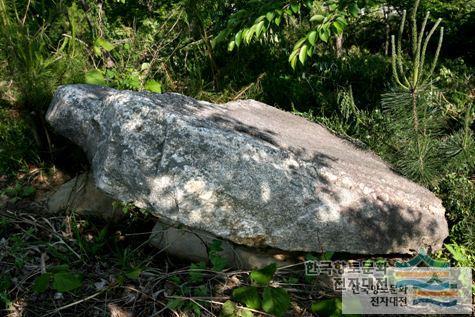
pixel 388 30
pixel 339 45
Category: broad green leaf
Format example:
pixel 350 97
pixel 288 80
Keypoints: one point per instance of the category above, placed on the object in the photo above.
pixel 312 37
pixel 270 16
pixel 310 51
pixel 275 301
pixel 277 20
pixel 95 77
pixel 295 7
pixel 106 45
pixel 354 10
pixel 238 38
pixel 294 54
pixel 244 33
pixel 328 307
pixel 248 296
pixel 259 28
pixel 41 283
pixel 338 27
pixel 231 46
pixel 264 276
pixel 221 36
pixel 250 34
pixel 303 54
pixel 317 18
pixel 299 43
pixel 153 86
pixel 324 35
pixel 66 281
pixel 293 62
pixel 259 19
pixel 342 21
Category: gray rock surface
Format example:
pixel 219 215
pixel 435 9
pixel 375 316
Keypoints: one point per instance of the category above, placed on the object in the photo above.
pixel 81 195
pixel 246 172
pixel 195 244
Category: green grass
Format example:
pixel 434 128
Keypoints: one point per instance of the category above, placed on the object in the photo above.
pixel 17 145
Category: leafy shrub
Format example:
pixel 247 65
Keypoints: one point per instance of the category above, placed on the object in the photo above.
pixel 458 195
pixel 260 294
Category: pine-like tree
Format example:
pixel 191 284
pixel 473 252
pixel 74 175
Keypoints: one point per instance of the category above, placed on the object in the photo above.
pixel 411 102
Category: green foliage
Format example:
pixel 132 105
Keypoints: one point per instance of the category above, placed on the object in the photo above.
pixel 218 262
pixel 462 255
pixel 263 276
pixel 275 301
pixel 95 77
pixel 60 279
pixel 16 142
pixel 18 191
pixel 267 17
pixel 339 70
pixel 328 307
pixel 459 20
pixel 41 283
pixel 272 300
pixel 196 272
pixel 458 194
pixel 36 61
pixel 66 281
pixel 412 104
pixel 153 86
pixel 460 146
pixel 248 295
pixel 231 310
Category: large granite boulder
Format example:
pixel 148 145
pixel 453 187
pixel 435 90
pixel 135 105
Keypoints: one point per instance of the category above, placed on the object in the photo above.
pixel 246 172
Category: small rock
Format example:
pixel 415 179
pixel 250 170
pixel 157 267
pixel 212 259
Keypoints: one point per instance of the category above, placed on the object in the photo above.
pixel 81 195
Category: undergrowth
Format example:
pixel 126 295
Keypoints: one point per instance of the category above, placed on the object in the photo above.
pixel 82 266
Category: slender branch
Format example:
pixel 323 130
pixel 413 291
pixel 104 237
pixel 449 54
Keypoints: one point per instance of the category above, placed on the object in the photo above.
pixel 416 52
pixel 426 42
pixel 437 52
pixel 419 44
pixel 414 27
pixel 399 48
pixel 394 57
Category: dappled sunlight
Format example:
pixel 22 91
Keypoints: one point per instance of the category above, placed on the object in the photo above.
pixel 197 158
pixel 229 170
